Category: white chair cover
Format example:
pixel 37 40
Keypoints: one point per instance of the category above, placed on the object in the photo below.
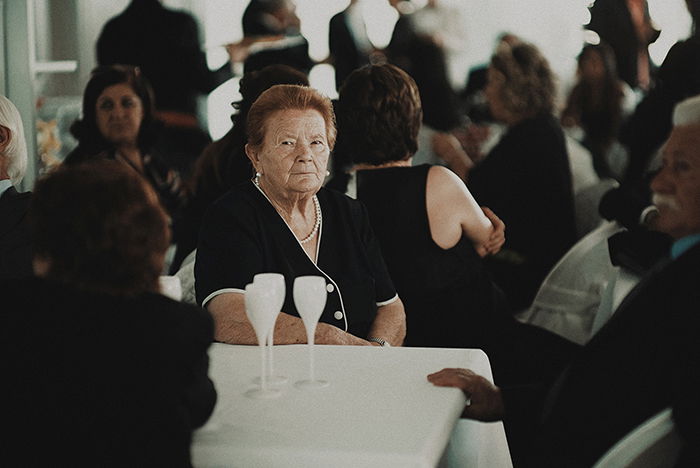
pixel 570 295
pixel 186 275
pixel 617 288
pixel 654 443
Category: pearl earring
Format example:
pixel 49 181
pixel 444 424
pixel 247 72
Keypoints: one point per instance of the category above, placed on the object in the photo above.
pixel 328 173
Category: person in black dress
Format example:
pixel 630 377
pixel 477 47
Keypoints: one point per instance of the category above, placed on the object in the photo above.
pixel 431 230
pixel 283 221
pixel 526 177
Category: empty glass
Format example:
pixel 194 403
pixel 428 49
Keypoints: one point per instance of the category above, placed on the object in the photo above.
pixel 260 309
pixel 310 299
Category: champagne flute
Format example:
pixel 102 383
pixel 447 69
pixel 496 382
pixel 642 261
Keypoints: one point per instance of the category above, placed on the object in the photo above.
pixel 310 299
pixel 273 282
pixel 259 307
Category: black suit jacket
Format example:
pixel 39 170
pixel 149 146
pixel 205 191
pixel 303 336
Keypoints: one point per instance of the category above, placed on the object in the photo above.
pixel 97 380
pixel 15 242
pixel 164 43
pixel 346 56
pixel 646 358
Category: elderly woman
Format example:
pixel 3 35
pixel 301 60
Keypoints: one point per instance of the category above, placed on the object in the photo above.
pixel 283 221
pixel 115 372
pixel 526 177
pixel 430 228
pixel 118 123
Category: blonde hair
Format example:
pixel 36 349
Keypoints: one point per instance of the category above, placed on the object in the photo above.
pixel 528 86
pixel 16 151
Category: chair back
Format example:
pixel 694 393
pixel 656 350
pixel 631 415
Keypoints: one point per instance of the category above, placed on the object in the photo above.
pixel 654 443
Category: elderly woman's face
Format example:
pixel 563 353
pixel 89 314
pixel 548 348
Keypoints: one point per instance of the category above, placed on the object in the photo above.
pixel 119 112
pixel 294 153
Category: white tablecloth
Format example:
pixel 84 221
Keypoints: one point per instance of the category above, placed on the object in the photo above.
pixel 379 410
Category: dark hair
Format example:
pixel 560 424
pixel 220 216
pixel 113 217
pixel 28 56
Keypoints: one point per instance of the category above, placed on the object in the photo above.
pixel 528 88
pixel 85 130
pixel 597 106
pixel 288 97
pixel 100 227
pixel 694 10
pixel 379 115
pixel 224 163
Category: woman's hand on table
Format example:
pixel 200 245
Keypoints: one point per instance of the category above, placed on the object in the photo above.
pixel 484 402
pixel 496 239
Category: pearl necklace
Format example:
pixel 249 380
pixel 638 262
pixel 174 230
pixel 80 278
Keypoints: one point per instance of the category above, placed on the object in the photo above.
pixel 317 224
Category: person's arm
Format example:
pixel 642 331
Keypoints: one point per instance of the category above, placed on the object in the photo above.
pixel 484 400
pixel 390 323
pixel 452 211
pixel 231 325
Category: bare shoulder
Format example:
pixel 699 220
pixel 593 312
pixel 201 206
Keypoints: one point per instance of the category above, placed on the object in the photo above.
pixel 444 186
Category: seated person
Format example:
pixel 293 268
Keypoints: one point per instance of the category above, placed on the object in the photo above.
pixel 101 369
pixel 526 177
pixel 118 123
pixel 644 359
pixel 283 221
pixel 15 244
pixel 425 210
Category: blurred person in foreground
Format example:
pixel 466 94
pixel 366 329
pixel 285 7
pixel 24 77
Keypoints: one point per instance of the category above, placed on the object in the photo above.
pixel 646 357
pixel 15 244
pixel 284 221
pixel 100 369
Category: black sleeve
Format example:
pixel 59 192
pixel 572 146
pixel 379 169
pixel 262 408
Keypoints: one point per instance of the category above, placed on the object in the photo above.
pixel 199 394
pixel 195 65
pixel 228 254
pixel 686 378
pixel 384 287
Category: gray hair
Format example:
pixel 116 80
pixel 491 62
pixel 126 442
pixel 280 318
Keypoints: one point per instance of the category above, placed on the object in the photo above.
pixel 687 112
pixel 16 151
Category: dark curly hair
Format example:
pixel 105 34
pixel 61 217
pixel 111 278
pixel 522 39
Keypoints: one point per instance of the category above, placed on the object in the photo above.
pixel 90 140
pixel 528 88
pixel 99 227
pixel 379 115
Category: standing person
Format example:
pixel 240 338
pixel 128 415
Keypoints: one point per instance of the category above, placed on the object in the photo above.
pixel 628 28
pixel 101 369
pixel 165 45
pixel 446 23
pixel 678 78
pixel 15 244
pixel 348 43
pixel 645 358
pixel 277 18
